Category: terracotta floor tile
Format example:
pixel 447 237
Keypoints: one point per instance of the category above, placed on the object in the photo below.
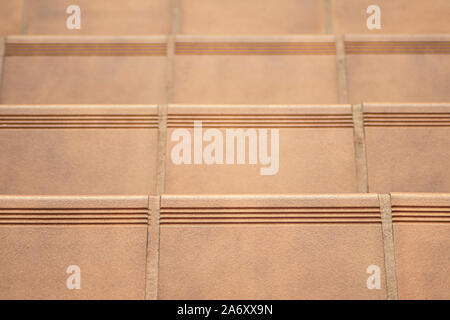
pixel 255 70
pixel 316 153
pixel 399 16
pixel 78 150
pixel 398 68
pixel 84 70
pixel 422 245
pixel 272 247
pixel 408 147
pixel 252 17
pixel 10 17
pixel 39 243
pixel 101 17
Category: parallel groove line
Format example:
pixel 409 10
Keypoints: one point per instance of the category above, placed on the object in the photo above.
pixel 73 216
pixel 85 49
pixel 77 121
pixel 397 47
pixel 421 214
pixel 383 119
pixel 253 48
pixel 194 216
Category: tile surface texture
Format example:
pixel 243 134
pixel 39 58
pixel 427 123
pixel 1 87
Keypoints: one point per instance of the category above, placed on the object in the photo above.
pixel 422 242
pixel 234 17
pixel 398 16
pixel 100 17
pixel 42 236
pixel 394 68
pixel 71 150
pixel 269 247
pixel 255 70
pixel 408 147
pixel 84 70
pixel 316 151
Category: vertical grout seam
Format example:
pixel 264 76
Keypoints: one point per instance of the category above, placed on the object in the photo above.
pixel 328 8
pixel 153 231
pixel 388 246
pixel 24 22
pixel 359 145
pixel 2 62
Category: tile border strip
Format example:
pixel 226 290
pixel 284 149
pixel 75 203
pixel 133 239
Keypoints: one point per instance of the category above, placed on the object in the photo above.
pixel 341 70
pixel 152 258
pixel 329 23
pixel 359 141
pixel 24 19
pixel 2 58
pixel 389 246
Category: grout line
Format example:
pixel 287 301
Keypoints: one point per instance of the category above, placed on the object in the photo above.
pixel 341 70
pixel 152 255
pixel 389 246
pixel 2 58
pixel 24 23
pixel 162 140
pixel 153 231
pixel 328 7
pixel 359 141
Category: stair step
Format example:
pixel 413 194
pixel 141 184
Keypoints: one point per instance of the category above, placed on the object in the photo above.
pixel 57 150
pixel 84 70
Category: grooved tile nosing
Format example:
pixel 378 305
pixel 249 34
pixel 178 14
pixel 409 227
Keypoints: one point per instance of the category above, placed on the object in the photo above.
pixel 422 242
pixel 104 237
pixel 251 247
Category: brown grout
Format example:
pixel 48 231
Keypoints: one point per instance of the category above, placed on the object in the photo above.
pixel 359 141
pixel 341 70
pixel 24 22
pixel 2 58
pixel 389 246
pixel 328 8
pixel 153 234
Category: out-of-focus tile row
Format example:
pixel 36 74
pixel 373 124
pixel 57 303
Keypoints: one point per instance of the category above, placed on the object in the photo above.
pixel 233 17
pixel 327 246
pixel 220 149
pixel 225 70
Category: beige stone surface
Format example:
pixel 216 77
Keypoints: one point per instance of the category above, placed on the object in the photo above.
pixel 10 17
pixel 42 236
pixel 316 153
pixel 101 17
pixel 58 150
pixel 279 247
pixel 255 70
pixel 398 16
pixel 57 70
pixel 234 17
pixel 408 147
pixel 398 68
pixel 422 242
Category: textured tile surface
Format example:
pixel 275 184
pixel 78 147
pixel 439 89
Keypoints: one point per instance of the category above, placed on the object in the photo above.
pixel 82 70
pixel 42 236
pixel 422 245
pixel 399 16
pixel 315 150
pixel 101 17
pixel 78 149
pixel 255 70
pixel 10 17
pixel 252 17
pixel 398 68
pixel 408 147
pixel 243 247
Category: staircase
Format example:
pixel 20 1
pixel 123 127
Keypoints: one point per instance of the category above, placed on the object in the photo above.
pixel 211 149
